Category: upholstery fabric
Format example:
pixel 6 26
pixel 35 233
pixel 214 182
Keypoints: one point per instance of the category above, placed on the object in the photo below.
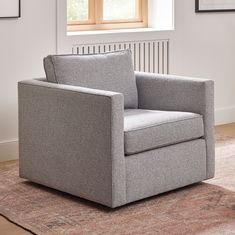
pixel 148 129
pixel 71 139
pixel 160 170
pixel 176 93
pixel 111 71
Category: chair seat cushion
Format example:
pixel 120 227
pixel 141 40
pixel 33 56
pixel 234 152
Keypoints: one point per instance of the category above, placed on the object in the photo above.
pixel 111 71
pixel 149 129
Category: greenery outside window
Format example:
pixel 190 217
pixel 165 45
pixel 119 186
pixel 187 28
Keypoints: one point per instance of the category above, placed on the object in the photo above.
pixel 106 14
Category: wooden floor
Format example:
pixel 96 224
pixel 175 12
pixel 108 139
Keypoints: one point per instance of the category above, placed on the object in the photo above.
pixel 8 228
pixel 228 129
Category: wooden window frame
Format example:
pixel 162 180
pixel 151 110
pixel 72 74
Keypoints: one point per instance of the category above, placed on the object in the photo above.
pixel 96 22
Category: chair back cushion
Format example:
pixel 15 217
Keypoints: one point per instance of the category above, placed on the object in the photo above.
pixel 111 71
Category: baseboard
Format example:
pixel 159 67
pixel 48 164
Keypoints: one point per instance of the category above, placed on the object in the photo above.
pixel 225 115
pixel 9 150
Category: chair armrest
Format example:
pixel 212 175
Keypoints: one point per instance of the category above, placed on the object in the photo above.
pixel 176 93
pixel 73 135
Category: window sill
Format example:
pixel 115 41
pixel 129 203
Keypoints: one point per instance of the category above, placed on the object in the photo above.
pixel 117 31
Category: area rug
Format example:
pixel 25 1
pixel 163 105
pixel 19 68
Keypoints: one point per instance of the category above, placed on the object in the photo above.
pixel 206 208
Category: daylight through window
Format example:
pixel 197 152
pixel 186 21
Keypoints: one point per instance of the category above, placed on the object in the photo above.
pixel 106 14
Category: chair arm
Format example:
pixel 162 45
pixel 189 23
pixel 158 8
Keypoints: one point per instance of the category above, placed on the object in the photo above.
pixel 71 139
pixel 176 93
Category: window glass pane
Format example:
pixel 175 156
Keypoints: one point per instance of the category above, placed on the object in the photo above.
pixel 77 10
pixel 119 9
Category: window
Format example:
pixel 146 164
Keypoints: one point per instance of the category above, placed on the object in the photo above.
pixel 106 14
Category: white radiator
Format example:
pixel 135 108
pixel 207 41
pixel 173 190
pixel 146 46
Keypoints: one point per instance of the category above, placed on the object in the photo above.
pixel 148 56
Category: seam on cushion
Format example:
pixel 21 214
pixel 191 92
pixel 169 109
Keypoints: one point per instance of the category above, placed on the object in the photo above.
pixel 171 78
pixel 111 154
pixel 52 61
pixel 44 65
pixel 113 190
pixel 102 53
pixel 166 145
pixel 61 89
pixel 164 123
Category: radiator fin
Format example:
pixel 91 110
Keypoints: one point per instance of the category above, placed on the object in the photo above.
pixel 147 56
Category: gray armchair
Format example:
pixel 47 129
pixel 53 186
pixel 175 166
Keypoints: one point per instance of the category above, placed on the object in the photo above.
pixel 86 142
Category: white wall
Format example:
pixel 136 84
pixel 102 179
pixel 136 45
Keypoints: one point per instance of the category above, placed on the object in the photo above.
pixel 202 45
pixel 23 44
pixel 208 50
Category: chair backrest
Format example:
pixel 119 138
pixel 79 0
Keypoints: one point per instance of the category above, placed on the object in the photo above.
pixel 111 71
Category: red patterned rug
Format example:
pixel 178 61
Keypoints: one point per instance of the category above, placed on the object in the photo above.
pixel 205 208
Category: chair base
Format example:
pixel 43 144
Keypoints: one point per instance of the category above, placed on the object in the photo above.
pixel 147 174
pixel 161 170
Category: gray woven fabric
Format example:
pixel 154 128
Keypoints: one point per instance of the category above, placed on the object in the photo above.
pixel 174 93
pixel 71 139
pixel 49 69
pixel 148 129
pixel 110 71
pixel 164 169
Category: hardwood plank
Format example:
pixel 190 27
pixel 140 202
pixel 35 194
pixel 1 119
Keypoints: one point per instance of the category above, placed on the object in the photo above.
pixel 228 129
pixel 8 228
